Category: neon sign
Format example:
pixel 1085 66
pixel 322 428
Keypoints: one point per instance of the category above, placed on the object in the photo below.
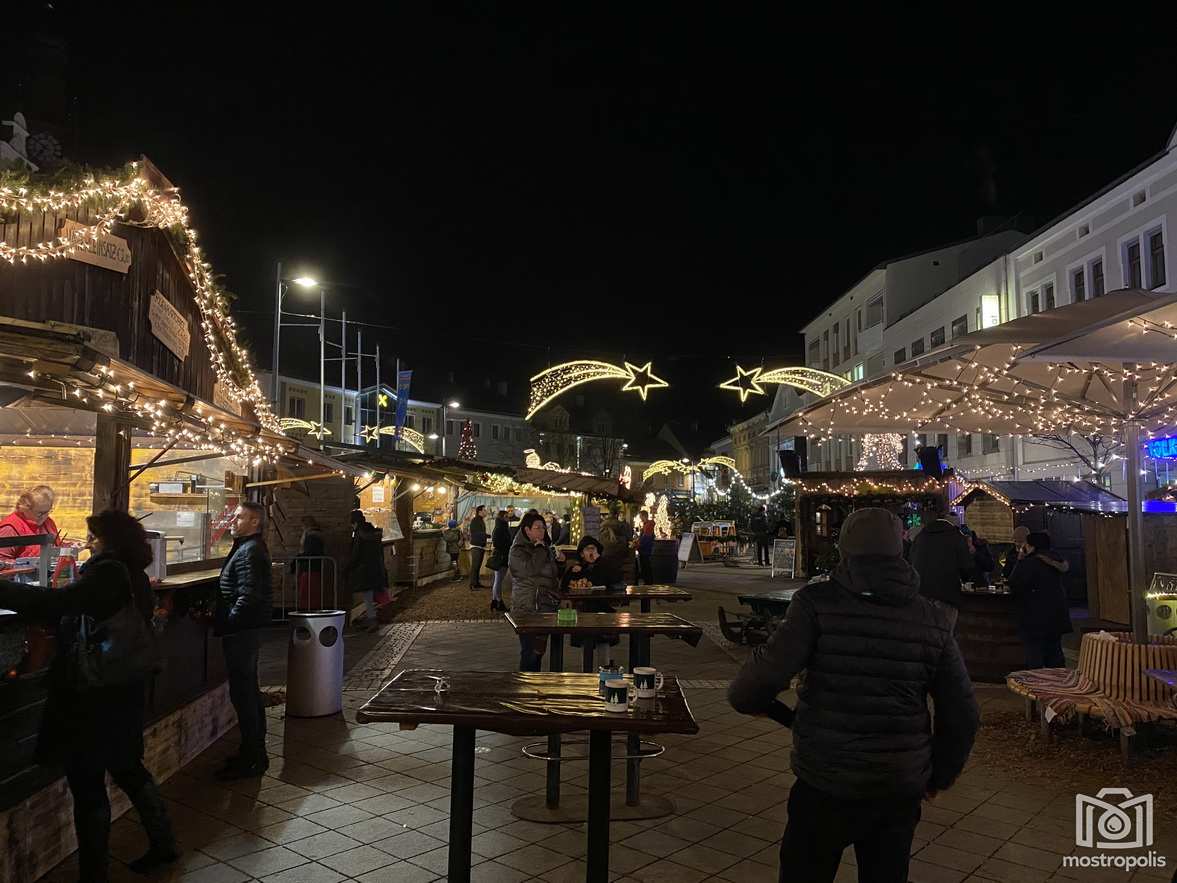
pixel 1162 448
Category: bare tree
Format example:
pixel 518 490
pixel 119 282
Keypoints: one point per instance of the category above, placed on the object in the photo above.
pixel 1095 451
pixel 603 455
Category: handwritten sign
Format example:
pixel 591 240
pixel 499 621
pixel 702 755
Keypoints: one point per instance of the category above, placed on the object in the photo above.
pixel 169 326
pixel 784 557
pixel 108 252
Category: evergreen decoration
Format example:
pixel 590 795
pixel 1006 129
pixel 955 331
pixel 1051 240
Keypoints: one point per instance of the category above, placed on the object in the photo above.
pixel 466 448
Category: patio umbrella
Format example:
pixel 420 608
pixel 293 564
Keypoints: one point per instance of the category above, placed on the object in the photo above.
pixel 1101 366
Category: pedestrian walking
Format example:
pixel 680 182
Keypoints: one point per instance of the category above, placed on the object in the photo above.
pixel 535 579
pixel 501 541
pixel 94 729
pixel 477 545
pixel 1043 613
pixel 646 548
pixel 365 571
pixel 866 749
pixel 244 605
pixel 452 537
pixel 759 525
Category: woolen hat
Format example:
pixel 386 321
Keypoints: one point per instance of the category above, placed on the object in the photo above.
pixel 871 531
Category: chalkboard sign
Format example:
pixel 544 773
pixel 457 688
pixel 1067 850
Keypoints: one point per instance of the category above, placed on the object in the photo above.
pixel 591 516
pixel 784 557
pixel 688 549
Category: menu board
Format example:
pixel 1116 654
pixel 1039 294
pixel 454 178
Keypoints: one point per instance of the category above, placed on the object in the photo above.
pixel 784 557
pixel 591 516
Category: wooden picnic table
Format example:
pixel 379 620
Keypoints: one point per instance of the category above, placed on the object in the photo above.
pixel 644 594
pixel 522 703
pixel 640 627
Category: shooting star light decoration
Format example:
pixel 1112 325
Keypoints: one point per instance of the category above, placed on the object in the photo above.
pixel 747 383
pixel 558 379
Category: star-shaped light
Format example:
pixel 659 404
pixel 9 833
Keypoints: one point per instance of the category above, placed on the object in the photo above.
pixel 370 434
pixel 318 430
pixel 383 400
pixel 635 381
pixel 745 383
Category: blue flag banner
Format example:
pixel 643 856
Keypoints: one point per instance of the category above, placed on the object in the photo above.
pixel 403 380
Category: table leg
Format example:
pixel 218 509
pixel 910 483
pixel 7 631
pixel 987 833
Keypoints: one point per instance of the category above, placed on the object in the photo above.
pixel 461 803
pixel 555 663
pixel 589 654
pixel 639 651
pixel 598 805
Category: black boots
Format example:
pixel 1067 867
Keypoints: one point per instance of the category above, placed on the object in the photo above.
pixel 153 815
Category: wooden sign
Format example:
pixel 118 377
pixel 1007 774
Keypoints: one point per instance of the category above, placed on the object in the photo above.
pixel 784 558
pixel 109 252
pixel 170 328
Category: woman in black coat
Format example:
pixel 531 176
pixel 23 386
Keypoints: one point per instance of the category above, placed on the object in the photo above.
pixel 365 570
pixel 501 540
pixel 100 729
pixel 1043 614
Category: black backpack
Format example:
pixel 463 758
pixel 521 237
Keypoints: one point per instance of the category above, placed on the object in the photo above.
pixel 114 651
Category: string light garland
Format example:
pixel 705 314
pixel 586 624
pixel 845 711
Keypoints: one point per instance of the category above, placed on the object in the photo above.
pixel 557 380
pixel 721 460
pixel 115 198
pixel 749 382
pixel 880 451
pixel 663 526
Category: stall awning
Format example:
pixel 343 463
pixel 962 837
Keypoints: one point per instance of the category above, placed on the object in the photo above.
pixel 1044 492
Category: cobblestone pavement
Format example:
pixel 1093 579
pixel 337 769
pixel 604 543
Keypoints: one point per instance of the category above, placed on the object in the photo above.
pixel 345 801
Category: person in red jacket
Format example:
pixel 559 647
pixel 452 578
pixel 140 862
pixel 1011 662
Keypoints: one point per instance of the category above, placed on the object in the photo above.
pixel 30 519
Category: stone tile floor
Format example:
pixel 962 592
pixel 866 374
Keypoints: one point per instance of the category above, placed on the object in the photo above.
pixel 345 801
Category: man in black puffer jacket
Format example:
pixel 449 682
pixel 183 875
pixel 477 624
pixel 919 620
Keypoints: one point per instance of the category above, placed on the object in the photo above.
pixel 865 750
pixel 244 602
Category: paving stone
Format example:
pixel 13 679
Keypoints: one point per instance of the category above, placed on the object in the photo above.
pixel 371 830
pixel 339 817
pixel 493 872
pixel 408 844
pixel 948 857
pixel 268 861
pixel 354 862
pixel 666 871
pixel 218 873
pixel 1029 855
pixel 309 873
pixel 749 871
pixel 237 845
pixel 320 845
pixel 978 844
pixel 924 872
pixel 295 829
pixel 401 872
pixel 734 842
pixel 702 858
pixel 999 869
pixel 492 844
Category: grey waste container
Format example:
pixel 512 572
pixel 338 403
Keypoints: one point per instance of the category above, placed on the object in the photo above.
pixel 314 663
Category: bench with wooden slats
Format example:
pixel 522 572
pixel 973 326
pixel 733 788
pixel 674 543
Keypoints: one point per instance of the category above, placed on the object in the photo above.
pixel 1111 682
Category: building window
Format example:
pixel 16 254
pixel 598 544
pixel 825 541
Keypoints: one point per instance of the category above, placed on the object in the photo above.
pixel 1048 295
pixel 917 347
pixel 494 431
pixel 1156 259
pixel 900 356
pixel 937 337
pixel 874 312
pixel 328 412
pixel 825 350
pixel 1133 277
pixel 347 415
pixel 1034 304
pixel 837 357
pixel 1097 288
pixel 860 320
pixel 1078 286
pixel 297 408
pixel 964 444
pixel 411 421
pixel 449 427
pixel 960 326
pixel 518 434
pixel 477 430
pixel 847 327
pixel 814 353
pixel 427 425
pixel 990 444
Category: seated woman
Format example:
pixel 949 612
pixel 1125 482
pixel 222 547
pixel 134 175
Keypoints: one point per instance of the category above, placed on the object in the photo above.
pixel 584 574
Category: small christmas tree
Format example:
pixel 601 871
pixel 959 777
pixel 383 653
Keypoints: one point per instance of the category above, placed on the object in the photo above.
pixel 466 448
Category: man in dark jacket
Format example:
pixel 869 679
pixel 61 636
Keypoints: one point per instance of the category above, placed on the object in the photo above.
pixel 865 751
pixel 365 570
pixel 1044 615
pixel 940 555
pixel 477 545
pixel 759 526
pixel 244 602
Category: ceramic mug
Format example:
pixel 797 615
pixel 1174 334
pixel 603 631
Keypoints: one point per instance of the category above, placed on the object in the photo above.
pixel 648 682
pixel 617 696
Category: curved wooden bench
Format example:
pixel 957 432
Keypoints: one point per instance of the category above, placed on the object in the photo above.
pixel 1110 683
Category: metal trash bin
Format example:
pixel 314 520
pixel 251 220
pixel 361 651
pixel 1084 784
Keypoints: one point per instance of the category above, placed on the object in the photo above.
pixel 314 663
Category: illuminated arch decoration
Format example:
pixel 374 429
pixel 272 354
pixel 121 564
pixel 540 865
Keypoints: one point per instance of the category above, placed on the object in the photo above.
pixel 747 383
pixel 665 467
pixel 718 461
pixel 312 428
pixel 411 437
pixel 558 379
pixel 532 461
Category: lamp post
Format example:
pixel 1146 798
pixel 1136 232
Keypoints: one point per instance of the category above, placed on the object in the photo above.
pixel 450 404
pixel 305 282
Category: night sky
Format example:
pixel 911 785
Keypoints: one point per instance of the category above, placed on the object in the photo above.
pixel 522 183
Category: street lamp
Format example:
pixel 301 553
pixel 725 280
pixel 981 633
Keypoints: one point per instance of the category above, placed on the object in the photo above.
pixel 452 403
pixel 306 283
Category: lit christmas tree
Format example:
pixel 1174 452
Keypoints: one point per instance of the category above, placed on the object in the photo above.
pixel 880 452
pixel 663 526
pixel 466 448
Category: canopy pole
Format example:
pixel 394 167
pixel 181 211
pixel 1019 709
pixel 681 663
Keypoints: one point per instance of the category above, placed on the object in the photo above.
pixel 1136 574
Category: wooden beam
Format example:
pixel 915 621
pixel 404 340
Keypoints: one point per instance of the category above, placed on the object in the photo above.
pixel 112 461
pixel 293 479
pixel 195 458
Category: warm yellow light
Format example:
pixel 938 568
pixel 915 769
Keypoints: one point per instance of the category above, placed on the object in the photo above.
pixel 305 282
pixel 747 383
pixel 453 404
pixel 558 379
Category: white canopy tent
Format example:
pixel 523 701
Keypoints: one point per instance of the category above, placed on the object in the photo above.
pixel 1102 366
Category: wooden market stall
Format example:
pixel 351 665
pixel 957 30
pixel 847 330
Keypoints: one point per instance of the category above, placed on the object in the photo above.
pixel 824 499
